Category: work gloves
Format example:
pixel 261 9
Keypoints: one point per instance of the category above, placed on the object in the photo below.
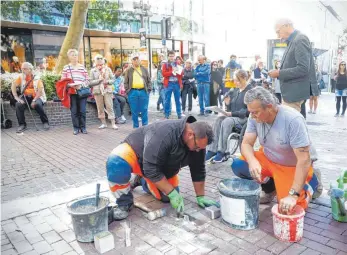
pixel 176 201
pixel 205 202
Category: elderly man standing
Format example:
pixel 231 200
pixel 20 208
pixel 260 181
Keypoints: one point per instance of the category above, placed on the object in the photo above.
pixel 156 153
pixel 138 86
pixel 296 65
pixel 32 93
pixel 203 77
pixel 284 158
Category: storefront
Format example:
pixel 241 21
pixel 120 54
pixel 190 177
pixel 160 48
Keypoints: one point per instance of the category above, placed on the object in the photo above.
pixel 32 43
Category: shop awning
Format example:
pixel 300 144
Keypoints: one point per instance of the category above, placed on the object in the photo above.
pixel 317 52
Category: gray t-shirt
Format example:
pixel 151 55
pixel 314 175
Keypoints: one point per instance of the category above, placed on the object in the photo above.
pixel 288 132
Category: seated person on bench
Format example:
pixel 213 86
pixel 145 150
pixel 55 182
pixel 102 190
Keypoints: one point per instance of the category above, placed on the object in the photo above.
pixel 32 93
pixel 237 115
pixel 283 163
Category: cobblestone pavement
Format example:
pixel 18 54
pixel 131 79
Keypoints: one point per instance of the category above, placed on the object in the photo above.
pixel 37 164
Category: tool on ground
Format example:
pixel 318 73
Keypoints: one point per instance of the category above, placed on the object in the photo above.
pixel 26 101
pixel 5 123
pixel 97 195
pixel 127 227
pixel 213 212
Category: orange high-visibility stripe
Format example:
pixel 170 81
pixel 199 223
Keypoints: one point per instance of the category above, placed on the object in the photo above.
pixel 126 152
pixel 118 187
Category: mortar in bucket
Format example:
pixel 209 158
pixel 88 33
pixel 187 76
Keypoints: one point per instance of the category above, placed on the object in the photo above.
pixel 289 228
pixel 239 199
pixel 87 219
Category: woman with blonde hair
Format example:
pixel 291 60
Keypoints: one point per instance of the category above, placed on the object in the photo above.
pixel 79 75
pixel 101 80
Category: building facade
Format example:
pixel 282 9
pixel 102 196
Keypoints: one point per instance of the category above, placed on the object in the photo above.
pixel 34 31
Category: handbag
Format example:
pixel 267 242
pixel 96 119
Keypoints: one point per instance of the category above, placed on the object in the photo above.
pixel 83 92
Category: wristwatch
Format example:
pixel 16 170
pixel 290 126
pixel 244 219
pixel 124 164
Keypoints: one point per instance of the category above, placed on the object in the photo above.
pixel 292 192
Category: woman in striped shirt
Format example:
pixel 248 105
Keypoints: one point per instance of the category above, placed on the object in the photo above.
pixel 79 75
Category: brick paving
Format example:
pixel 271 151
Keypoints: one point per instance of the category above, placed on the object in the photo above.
pixel 39 163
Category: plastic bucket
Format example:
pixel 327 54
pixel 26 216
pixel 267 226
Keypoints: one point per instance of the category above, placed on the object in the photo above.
pixel 289 228
pixel 87 220
pixel 340 183
pixel 239 199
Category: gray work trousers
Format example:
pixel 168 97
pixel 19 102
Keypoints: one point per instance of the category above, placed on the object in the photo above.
pixel 222 128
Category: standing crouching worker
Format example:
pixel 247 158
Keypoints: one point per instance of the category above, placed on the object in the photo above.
pixel 32 93
pixel 283 163
pixel 138 86
pixel 156 153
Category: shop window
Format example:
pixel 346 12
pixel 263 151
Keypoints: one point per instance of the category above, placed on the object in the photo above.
pixel 107 47
pixel 15 43
pixel 129 46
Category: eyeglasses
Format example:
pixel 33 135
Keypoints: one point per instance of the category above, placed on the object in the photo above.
pixel 214 65
pixel 342 64
pixel 99 58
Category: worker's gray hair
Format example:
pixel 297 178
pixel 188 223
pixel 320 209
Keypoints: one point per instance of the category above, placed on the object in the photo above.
pixel 261 94
pixel 189 61
pixel 72 51
pixel 284 21
pixel 201 130
pixel 28 65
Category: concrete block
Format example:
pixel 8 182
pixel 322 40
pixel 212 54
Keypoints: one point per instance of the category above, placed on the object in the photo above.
pixel 104 242
pixel 213 212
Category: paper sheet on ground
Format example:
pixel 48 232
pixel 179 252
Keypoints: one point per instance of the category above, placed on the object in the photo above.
pixel 216 109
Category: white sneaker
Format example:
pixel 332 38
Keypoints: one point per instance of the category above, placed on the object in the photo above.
pixel 103 126
pixel 123 118
pixel 140 119
pixel 309 111
pixel 314 112
pixel 114 126
pixel 183 114
pixel 189 113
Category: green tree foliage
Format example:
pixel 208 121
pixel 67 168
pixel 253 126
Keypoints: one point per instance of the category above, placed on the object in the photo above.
pixel 103 14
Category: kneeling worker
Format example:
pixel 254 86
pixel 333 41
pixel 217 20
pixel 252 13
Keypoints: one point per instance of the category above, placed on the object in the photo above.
pixel 156 153
pixel 283 164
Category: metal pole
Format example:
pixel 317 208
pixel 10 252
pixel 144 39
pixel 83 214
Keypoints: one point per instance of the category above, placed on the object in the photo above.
pixel 141 15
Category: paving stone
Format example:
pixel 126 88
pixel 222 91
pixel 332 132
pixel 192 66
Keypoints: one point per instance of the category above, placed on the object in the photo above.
pixel 51 219
pixel 153 251
pixel 224 245
pixel 71 253
pixel 338 245
pixel 263 252
pixel 318 238
pixel 294 249
pixel 27 228
pixel 68 236
pixel 23 246
pixel 16 237
pixel 5 241
pixel 61 247
pixel 309 251
pixel 242 252
pixel 81 247
pixel 217 252
pixel 278 246
pixel 42 247
pixel 320 247
pixel 9 252
pixel 37 220
pixel 33 237
pixel 32 252
pixel 22 220
pixel 9 228
pixel 43 228
pixel 59 227
pixel 242 244
pixel 204 247
pixel 51 237
pixel 6 247
pixel 183 246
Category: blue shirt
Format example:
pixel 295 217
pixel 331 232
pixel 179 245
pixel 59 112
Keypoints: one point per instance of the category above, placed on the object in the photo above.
pixel 290 38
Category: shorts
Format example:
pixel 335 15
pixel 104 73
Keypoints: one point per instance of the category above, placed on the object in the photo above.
pixel 341 92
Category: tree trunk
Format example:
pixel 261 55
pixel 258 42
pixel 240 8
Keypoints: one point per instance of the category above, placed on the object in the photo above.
pixel 74 33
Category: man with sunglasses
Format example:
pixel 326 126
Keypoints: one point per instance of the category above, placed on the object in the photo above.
pixel 155 154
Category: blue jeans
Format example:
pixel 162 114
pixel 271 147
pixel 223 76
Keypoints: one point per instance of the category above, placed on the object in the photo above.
pixel 173 87
pixel 138 100
pixel 204 95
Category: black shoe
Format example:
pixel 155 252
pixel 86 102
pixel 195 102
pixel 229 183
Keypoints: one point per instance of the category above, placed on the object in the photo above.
pixel 45 126
pixel 84 131
pixel 121 212
pixel 75 131
pixel 21 128
pixel 158 107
